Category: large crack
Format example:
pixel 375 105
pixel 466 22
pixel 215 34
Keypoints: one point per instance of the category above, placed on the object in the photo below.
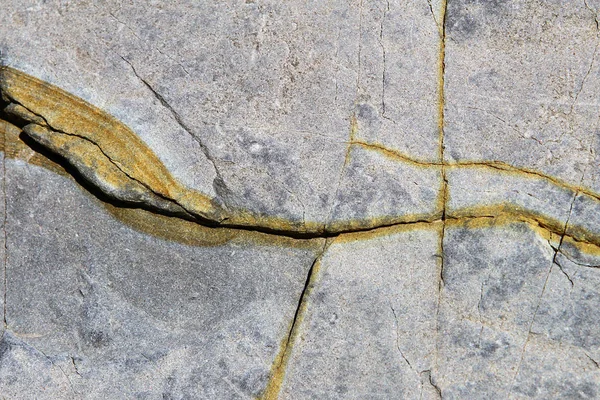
pixel 434 218
pixel 109 158
pixel 5 258
pixel 444 184
pixel 327 229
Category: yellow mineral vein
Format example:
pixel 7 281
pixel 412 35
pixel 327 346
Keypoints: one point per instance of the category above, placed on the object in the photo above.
pixel 116 161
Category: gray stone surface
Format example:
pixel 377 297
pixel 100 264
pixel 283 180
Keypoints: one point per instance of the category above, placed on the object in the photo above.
pixel 96 309
pixel 483 188
pixel 521 84
pixel 428 173
pixel 503 308
pixel 269 89
pixel 370 326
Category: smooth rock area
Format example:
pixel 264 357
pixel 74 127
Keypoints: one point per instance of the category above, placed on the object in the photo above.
pixel 300 200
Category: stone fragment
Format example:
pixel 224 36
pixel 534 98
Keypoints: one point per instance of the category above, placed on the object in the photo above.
pixel 249 103
pixel 370 323
pixel 487 191
pixel 504 304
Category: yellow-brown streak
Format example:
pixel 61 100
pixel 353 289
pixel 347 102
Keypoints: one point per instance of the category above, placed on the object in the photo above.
pixel 164 227
pixel 63 111
pixel 68 114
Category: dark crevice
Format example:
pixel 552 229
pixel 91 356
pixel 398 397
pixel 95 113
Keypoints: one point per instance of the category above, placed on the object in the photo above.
pixel 279 370
pixel 444 183
pixel 113 162
pixel 103 197
pixel 535 312
pixel 431 381
pixel 308 285
pixel 80 178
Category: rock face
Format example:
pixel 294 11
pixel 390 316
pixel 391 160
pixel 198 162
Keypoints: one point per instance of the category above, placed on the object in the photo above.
pixel 298 200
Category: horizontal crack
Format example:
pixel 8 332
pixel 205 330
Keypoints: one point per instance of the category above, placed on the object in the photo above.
pixel 237 219
pixel 434 218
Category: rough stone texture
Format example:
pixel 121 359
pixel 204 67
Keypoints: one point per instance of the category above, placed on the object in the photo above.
pixel 521 85
pixel 370 328
pixel 270 89
pixel 100 310
pixel 425 175
pixel 508 318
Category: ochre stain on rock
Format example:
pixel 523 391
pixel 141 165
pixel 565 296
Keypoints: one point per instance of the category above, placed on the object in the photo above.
pixel 75 119
pixel 162 226
pixel 116 161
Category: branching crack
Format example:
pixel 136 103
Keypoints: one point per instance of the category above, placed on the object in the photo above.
pixel 5 258
pixel 539 302
pixel 560 267
pixel 108 157
pixel 55 365
pixel 431 381
pixel 577 262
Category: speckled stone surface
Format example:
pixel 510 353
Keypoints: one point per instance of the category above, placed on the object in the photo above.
pixel 406 200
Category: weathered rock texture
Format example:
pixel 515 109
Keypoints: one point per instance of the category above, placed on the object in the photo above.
pixel 343 199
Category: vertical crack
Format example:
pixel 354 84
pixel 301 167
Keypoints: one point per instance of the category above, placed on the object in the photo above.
pixel 4 222
pixel 384 59
pixel 281 361
pixel 443 196
pixel 585 77
pixel 594 13
pixel 431 381
pixel 398 339
pixel 359 61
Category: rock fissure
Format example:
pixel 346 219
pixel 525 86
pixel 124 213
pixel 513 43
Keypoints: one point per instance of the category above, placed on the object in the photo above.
pixel 309 230
pixel 5 245
pixel 281 361
pixel 397 340
pixel 107 156
pixel 444 183
pixel 539 301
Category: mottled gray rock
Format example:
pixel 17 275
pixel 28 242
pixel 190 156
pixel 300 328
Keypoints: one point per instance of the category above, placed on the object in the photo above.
pixel 412 191
pixel 469 126
pixel 97 309
pixel 484 188
pixel 370 325
pixel 521 83
pixel 269 89
pixel 510 317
